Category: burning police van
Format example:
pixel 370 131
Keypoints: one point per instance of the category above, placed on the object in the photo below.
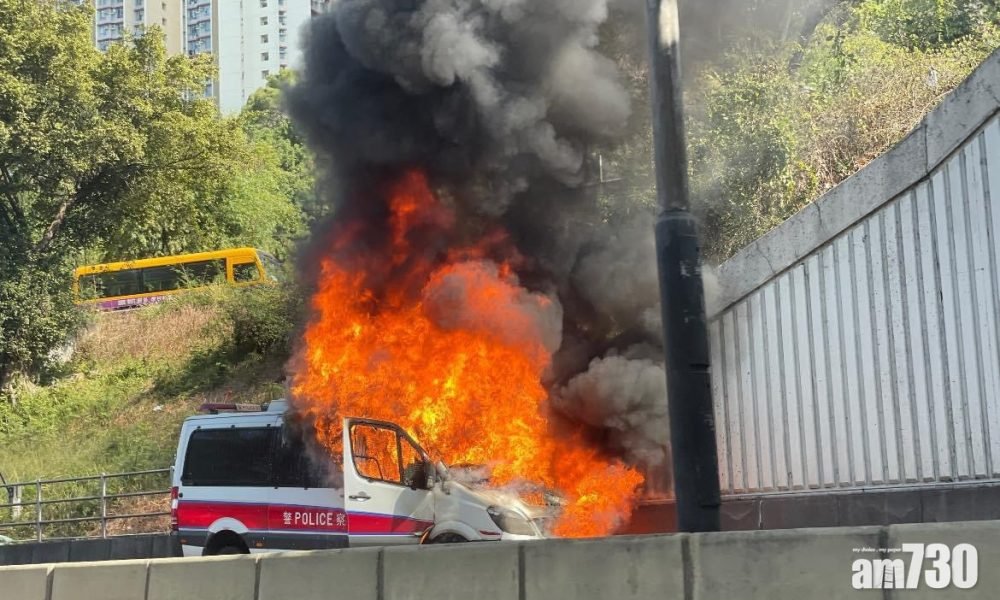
pixel 245 481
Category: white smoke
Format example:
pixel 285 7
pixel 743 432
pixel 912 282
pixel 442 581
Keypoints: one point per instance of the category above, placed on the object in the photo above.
pixel 625 394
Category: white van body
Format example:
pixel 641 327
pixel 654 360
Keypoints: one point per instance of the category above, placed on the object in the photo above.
pixel 242 483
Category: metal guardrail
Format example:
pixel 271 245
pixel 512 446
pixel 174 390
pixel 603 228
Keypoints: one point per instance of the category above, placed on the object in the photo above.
pixel 75 510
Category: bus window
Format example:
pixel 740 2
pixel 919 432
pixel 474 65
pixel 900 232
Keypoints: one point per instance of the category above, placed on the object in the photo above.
pixel 116 283
pixel 160 279
pixel 205 272
pixel 246 272
pixel 87 287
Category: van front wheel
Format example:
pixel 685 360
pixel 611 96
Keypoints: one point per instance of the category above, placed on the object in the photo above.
pixel 449 538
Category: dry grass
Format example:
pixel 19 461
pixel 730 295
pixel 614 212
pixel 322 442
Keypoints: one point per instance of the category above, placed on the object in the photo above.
pixel 164 333
pixel 135 506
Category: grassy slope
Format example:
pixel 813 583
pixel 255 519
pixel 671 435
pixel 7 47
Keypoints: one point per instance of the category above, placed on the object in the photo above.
pixel 118 404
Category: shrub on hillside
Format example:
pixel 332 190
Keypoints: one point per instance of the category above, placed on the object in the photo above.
pixel 263 318
pixel 36 317
pixel 768 139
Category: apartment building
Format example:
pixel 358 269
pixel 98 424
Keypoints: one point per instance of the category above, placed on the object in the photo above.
pixel 114 18
pixel 251 40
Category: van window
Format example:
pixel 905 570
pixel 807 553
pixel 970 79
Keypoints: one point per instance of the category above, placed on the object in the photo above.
pixel 376 453
pixel 295 467
pixel 413 461
pixel 231 457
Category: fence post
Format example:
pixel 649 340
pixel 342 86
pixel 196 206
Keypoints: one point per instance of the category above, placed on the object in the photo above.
pixel 104 506
pixel 38 510
pixel 15 499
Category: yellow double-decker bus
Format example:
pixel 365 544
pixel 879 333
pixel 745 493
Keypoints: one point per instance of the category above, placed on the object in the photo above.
pixel 119 285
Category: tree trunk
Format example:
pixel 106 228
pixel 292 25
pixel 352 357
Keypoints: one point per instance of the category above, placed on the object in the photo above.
pixel 6 379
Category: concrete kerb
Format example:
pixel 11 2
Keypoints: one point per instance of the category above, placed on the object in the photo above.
pixel 778 565
pixel 216 577
pixel 626 568
pixel 490 571
pixel 352 573
pixel 107 580
pixel 983 535
pixel 28 582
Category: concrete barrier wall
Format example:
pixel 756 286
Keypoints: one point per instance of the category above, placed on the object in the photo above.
pixel 776 565
pixel 117 548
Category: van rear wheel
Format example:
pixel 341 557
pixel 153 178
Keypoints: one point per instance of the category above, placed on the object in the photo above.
pixel 226 542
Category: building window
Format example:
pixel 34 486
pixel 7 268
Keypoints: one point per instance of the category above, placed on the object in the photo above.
pixel 281 19
pixel 263 56
pixel 140 14
pixel 264 74
pixel 263 3
pixel 282 53
pixel 263 39
pixel 282 35
pixel 263 20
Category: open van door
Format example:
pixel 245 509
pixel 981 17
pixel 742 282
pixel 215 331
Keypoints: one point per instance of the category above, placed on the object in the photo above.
pixel 386 484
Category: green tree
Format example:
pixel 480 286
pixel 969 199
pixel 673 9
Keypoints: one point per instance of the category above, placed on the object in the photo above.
pixel 924 24
pixel 117 153
pixel 264 120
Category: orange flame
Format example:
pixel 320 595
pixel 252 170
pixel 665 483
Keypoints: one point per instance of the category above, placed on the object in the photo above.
pixel 462 372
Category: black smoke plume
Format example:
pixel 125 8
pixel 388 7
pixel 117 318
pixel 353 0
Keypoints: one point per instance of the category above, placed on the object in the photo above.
pixel 498 102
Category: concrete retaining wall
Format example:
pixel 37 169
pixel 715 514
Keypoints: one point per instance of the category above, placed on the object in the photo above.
pixel 117 548
pixel 777 565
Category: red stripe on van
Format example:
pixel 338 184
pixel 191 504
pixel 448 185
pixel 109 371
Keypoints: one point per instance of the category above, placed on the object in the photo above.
pixel 197 514
pixel 376 524
pixel 201 515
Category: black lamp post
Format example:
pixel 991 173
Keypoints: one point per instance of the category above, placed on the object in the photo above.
pixel 689 391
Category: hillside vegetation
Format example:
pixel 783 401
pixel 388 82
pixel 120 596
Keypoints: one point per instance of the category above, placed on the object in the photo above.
pixel 133 377
pixel 785 99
